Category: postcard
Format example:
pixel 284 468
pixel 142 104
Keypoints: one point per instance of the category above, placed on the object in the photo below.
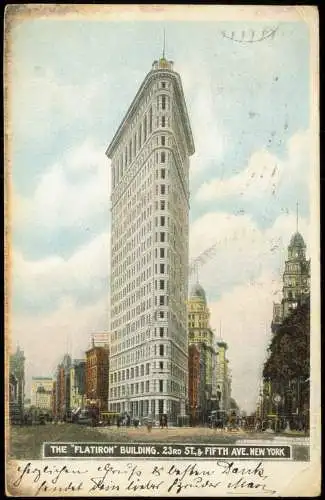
pixel 162 251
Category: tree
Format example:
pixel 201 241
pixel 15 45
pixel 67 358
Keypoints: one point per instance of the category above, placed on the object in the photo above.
pixel 288 362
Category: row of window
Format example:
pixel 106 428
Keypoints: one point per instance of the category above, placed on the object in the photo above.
pixel 144 290
pixel 129 215
pixel 142 321
pixel 137 354
pixel 136 142
pixel 120 253
pixel 138 371
pixel 144 387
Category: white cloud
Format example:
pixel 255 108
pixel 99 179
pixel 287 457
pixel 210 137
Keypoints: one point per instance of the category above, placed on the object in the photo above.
pixel 240 250
pixel 264 174
pixel 70 193
pixel 210 138
pixel 42 104
pixel 56 276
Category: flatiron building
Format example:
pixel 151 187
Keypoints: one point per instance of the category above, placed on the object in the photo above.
pixel 149 249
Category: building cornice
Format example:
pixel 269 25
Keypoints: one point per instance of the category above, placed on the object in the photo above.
pixel 151 76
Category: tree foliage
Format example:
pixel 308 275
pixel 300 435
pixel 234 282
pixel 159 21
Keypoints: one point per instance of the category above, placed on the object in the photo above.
pixel 289 350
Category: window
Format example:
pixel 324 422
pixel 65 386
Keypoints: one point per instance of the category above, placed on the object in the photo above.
pixel 161 331
pixel 162 237
pixel 140 136
pixel 163 173
pixel 163 85
pixel 163 121
pixel 163 157
pixel 161 386
pixel 161 365
pixel 147 386
pixel 142 370
pixel 162 205
pixel 162 189
pixel 161 300
pixel 163 140
pixel 163 102
pixel 161 284
pixel 161 314
pixel 145 128
pixel 162 253
pixel 147 369
pixel 162 268
pixel 161 349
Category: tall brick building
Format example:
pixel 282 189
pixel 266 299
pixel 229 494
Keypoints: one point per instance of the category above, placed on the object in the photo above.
pixel 97 373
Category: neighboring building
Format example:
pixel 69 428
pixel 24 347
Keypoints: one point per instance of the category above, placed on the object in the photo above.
pixel 223 376
pixel 227 398
pixel 194 369
pixel 296 280
pixel 291 386
pixel 97 375
pixel 201 335
pixel 198 402
pixel 77 383
pixel 63 387
pixel 13 388
pixel 100 339
pixel 16 385
pixel 27 403
pixel 149 249
pixel 42 393
pixel 54 403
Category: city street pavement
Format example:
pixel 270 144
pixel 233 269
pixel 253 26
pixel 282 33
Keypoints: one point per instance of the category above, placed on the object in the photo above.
pixel 26 442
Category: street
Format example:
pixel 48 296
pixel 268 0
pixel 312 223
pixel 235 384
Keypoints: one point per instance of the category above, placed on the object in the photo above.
pixel 26 442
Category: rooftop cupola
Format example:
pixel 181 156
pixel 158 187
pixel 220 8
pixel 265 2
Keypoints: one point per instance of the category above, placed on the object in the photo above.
pixel 163 63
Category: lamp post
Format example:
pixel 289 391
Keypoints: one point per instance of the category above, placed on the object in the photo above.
pixel 277 400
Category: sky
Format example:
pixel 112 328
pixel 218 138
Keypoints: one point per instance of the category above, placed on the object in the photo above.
pixel 72 82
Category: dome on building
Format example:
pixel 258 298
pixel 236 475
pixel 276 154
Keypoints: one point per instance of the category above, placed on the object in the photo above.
pixel 198 292
pixel 297 241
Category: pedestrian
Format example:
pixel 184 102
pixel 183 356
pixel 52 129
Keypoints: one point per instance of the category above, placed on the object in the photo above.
pixel 149 425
